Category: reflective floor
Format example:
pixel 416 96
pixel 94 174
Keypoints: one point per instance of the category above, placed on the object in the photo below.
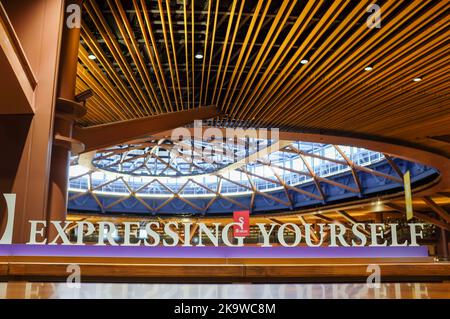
pixel 21 290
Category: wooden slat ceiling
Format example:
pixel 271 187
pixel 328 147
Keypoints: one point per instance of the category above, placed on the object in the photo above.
pixel 252 67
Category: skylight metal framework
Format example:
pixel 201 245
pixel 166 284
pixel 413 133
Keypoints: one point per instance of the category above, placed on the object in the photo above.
pixel 288 169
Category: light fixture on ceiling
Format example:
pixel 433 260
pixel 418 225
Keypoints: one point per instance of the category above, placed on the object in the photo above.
pixel 418 79
pixel 199 56
pixel 92 57
pixel 368 68
pixel 304 61
pixel 378 205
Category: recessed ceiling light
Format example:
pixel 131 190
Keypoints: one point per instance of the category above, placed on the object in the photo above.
pixel 92 57
pixel 368 68
pixel 418 79
pixel 199 56
pixel 304 61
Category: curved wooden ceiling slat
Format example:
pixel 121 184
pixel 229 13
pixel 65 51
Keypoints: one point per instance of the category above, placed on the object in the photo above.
pixel 252 64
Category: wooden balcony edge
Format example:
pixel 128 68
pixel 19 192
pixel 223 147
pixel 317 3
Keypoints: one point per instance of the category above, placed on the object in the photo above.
pixel 14 52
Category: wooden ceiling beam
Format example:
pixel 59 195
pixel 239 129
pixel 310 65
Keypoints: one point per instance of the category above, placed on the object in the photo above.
pixel 323 90
pixel 443 213
pixel 245 51
pixel 353 170
pixel 168 55
pixel 152 55
pixel 270 38
pixel 154 51
pixel 352 220
pixel 302 22
pixel 336 66
pixel 115 49
pixel 134 50
pixel 174 50
pixel 432 220
pixel 105 135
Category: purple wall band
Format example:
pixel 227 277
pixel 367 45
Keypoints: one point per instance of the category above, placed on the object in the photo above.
pixel 213 252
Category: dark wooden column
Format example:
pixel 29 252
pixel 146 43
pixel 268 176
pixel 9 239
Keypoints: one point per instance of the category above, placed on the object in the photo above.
pixel 26 139
pixel 67 110
pixel 443 245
